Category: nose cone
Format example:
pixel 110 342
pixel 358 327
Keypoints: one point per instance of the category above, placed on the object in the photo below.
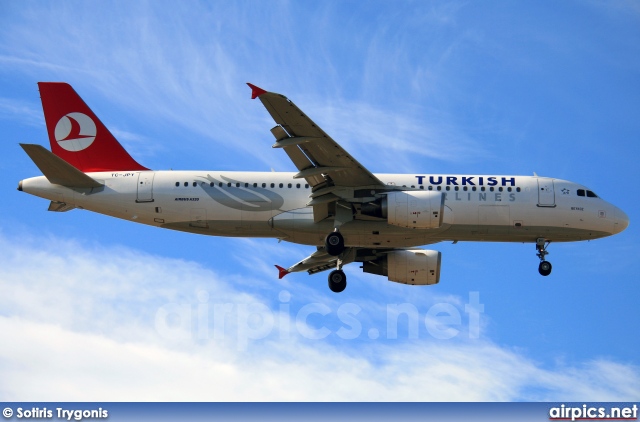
pixel 621 221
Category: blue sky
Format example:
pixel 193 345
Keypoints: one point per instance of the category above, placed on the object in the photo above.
pixel 406 87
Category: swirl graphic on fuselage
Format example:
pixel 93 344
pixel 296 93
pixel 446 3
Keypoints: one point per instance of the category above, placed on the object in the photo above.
pixel 233 194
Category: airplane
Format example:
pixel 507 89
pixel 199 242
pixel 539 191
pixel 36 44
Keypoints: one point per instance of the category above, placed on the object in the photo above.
pixel 332 202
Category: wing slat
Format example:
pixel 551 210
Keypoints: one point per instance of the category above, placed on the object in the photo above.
pixel 317 148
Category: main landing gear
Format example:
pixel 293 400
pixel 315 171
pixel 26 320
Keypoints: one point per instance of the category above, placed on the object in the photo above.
pixel 334 243
pixel 545 266
pixel 337 281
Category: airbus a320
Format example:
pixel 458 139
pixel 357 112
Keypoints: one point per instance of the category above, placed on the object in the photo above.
pixel 332 202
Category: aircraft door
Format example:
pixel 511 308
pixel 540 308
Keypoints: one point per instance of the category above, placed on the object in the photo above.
pixel 546 193
pixel 145 186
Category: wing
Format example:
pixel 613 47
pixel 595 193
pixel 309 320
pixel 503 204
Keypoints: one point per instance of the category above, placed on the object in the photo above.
pixel 320 260
pixel 319 159
pixel 317 262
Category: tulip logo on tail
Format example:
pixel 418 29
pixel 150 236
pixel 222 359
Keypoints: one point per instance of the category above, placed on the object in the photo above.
pixel 75 132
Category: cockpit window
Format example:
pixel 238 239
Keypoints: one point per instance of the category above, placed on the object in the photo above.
pixel 587 193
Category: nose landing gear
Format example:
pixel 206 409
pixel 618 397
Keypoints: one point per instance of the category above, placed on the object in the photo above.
pixel 541 246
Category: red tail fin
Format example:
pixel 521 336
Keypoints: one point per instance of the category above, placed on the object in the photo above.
pixel 77 135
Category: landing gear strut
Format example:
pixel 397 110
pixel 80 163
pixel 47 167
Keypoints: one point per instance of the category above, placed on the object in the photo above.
pixel 541 246
pixel 334 243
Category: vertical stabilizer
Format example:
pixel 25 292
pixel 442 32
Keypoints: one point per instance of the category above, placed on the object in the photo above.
pixel 77 135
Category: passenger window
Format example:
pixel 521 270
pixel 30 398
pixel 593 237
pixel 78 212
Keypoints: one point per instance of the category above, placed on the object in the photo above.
pixel 457 188
pixel 413 186
pixel 186 184
pixel 306 186
pixel 211 184
pixel 439 187
pixel 298 185
pixel 280 185
pixel 273 185
pixel 482 189
pixel 195 184
pixel 448 187
pixel 591 194
pixel 517 189
pixel 264 185
pixel 246 185
pixel 229 184
pixel 464 188
pixel 237 185
pixel 500 188
pixel 430 187
pixel 491 188
pixel 509 189
pixel 255 185
pixel 220 184
pixel 421 187
pixel 473 188
pixel 580 192
pixel 177 184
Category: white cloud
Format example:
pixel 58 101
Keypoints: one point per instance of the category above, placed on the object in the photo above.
pixel 83 322
pixel 405 138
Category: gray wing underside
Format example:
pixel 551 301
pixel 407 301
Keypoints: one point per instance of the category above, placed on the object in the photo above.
pixel 316 262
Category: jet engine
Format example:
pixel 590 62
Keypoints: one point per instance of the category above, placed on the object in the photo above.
pixel 413 266
pixel 411 209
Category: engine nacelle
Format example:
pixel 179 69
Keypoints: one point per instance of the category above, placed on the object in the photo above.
pixel 414 266
pixel 415 209
pixel 411 209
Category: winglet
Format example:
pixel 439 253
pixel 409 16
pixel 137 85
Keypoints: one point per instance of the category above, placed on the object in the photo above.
pixel 256 91
pixel 283 271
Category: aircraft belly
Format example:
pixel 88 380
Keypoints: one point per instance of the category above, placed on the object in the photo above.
pixel 227 228
pixel 520 234
pixel 299 227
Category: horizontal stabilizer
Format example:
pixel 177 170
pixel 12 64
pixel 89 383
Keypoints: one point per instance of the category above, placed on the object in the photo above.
pixel 58 171
pixel 56 206
pixel 282 271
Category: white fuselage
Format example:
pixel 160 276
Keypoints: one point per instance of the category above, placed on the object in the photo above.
pixel 257 204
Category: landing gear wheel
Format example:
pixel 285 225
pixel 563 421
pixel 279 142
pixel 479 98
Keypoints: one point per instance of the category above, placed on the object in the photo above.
pixel 544 268
pixel 334 244
pixel 541 247
pixel 337 281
